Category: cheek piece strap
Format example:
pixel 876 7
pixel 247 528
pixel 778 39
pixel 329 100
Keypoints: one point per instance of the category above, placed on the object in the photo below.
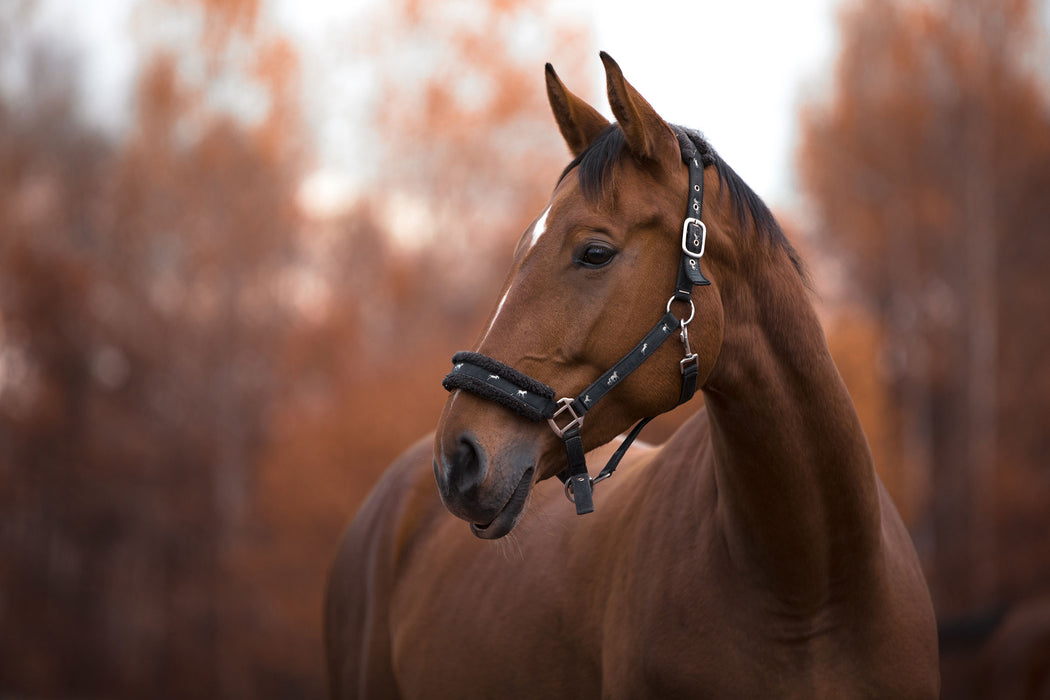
pixel 495 381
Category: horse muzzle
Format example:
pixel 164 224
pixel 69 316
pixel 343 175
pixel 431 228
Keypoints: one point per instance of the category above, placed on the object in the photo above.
pixel 487 489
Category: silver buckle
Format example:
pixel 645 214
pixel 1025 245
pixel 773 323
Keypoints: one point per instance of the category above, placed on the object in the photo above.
pixel 700 240
pixel 576 422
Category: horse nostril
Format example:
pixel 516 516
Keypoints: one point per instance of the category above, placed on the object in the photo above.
pixel 467 466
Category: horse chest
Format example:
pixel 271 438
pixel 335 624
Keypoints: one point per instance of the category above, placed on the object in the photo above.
pixel 509 650
pixel 634 613
pixel 714 656
pixel 550 622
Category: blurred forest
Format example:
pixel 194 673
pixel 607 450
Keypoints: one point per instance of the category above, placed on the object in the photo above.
pixel 200 377
pixel 928 170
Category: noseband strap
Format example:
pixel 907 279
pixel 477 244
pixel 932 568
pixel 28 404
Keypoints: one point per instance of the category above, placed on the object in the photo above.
pixel 490 379
pixel 495 381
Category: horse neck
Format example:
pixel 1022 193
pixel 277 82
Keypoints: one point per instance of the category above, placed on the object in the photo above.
pixel 794 474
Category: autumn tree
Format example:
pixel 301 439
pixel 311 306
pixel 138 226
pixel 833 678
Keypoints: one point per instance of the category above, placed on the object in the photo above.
pixel 466 155
pixel 198 384
pixel 139 319
pixel 927 170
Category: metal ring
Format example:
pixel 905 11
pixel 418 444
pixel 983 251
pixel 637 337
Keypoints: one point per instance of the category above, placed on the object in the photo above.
pixel 692 310
pixel 594 480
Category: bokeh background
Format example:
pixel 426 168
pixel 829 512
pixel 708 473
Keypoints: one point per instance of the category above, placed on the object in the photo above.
pixel 240 239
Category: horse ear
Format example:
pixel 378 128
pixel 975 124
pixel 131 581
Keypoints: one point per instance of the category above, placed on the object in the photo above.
pixel 578 121
pixel 648 136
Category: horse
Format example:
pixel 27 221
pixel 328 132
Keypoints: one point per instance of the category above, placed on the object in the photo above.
pixel 754 554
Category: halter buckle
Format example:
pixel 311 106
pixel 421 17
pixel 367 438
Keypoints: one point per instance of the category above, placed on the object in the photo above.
pixel 576 421
pixel 699 237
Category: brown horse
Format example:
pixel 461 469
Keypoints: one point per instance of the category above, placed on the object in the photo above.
pixel 754 555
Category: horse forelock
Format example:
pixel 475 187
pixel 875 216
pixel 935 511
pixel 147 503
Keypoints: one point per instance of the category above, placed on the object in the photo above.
pixel 596 163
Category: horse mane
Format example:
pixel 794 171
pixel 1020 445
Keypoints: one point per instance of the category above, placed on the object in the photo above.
pixel 597 161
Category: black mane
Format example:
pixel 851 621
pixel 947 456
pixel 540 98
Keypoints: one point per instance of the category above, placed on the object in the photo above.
pixel 596 163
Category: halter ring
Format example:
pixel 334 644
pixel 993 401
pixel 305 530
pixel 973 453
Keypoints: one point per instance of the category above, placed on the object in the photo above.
pixel 692 311
pixel 594 480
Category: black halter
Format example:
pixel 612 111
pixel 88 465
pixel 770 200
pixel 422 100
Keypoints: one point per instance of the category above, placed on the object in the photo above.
pixel 492 380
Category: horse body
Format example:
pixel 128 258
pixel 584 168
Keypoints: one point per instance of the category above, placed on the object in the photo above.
pixel 755 554
pixel 624 603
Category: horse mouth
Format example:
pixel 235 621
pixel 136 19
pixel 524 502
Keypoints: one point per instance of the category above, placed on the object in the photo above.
pixel 509 514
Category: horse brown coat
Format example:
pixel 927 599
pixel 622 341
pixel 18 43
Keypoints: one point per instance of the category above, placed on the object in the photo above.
pixel 755 554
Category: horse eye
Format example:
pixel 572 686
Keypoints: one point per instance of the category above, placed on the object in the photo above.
pixel 595 255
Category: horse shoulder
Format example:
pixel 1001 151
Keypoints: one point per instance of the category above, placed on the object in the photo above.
pixel 362 577
pixel 694 625
pixel 901 625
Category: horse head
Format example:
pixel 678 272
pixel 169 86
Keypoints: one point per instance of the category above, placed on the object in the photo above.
pixel 590 277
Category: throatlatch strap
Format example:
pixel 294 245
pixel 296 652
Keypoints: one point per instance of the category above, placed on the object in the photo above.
pixel 613 462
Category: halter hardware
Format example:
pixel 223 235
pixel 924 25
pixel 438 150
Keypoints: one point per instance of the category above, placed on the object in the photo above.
pixel 565 406
pixel 692 310
pixel 699 237
pixel 502 384
pixel 690 356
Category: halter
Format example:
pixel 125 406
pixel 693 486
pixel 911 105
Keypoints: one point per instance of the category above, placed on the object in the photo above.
pixel 492 380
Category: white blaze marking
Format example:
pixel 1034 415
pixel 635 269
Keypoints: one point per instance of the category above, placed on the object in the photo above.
pixel 495 316
pixel 538 229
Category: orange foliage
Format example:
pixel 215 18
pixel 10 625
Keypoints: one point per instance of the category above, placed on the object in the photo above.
pixel 182 438
pixel 855 340
pixel 183 435
pixel 473 169
pixel 928 170
pixel 139 323
pixel 224 18
pixel 453 117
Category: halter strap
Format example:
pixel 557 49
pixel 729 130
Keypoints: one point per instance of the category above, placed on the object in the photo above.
pixel 502 384
pixel 491 379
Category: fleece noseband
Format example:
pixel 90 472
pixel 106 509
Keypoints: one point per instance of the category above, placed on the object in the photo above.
pixel 494 381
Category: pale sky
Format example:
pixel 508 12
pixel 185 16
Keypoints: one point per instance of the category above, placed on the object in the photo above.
pixel 754 59
pixel 737 71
